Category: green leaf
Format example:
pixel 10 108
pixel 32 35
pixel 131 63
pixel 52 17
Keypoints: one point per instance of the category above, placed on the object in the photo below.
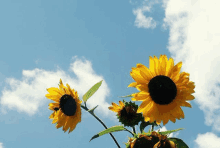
pixel 125 96
pixel 109 130
pixel 91 91
pixel 179 142
pixel 170 131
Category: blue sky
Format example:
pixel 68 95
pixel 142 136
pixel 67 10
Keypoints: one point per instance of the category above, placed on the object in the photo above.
pixel 85 42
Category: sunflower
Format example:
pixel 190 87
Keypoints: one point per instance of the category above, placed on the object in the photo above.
pixel 154 140
pixel 163 89
pixel 66 109
pixel 127 113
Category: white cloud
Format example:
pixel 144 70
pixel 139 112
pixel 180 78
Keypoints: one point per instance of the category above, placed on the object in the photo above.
pixel 28 94
pixel 208 139
pixel 1 145
pixel 141 20
pixel 194 39
pixel 175 134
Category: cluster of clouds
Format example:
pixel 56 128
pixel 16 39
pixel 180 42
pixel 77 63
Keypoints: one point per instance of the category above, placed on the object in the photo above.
pixel 27 94
pixel 194 36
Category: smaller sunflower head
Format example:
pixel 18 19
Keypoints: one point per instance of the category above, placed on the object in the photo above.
pixel 127 113
pixel 66 107
pixel 153 140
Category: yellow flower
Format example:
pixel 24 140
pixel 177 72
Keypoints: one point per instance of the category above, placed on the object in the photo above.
pixel 154 140
pixel 127 113
pixel 163 89
pixel 66 109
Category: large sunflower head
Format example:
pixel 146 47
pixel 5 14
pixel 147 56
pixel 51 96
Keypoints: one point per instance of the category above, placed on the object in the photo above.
pixel 127 113
pixel 152 140
pixel 163 89
pixel 66 107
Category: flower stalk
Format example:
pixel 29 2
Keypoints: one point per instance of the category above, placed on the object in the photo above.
pixel 92 113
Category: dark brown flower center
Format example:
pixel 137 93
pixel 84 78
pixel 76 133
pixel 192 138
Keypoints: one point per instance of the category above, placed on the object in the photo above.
pixel 68 105
pixel 162 90
pixel 143 142
pixel 128 113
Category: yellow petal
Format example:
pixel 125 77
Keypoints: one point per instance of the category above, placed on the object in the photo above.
pixel 66 125
pixel 113 109
pixel 135 74
pixel 121 104
pixel 152 66
pixel 133 84
pixel 52 115
pixel 115 105
pixel 73 125
pixel 156 66
pixel 145 72
pixel 55 98
pixel 163 61
pixel 146 119
pixel 190 97
pixel 176 70
pixel 169 67
pixel 166 119
pixel 54 91
pixel 141 96
pixel 142 87
pixel 145 105
pixel 173 119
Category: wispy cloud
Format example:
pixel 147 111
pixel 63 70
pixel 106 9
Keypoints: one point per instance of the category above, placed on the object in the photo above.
pixel 194 39
pixel 209 140
pixel 1 145
pixel 28 94
pixel 141 20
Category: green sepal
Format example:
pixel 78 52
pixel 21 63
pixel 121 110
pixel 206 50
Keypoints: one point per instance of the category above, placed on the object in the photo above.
pixel 91 91
pixel 92 110
pixel 109 130
pixel 179 142
pixel 127 145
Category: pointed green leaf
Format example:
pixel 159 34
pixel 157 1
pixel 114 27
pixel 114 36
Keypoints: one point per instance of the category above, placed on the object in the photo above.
pixel 91 91
pixel 109 130
pixel 179 142
pixel 170 131
pixel 125 96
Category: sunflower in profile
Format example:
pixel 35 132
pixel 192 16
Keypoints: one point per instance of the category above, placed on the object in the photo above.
pixel 154 140
pixel 66 109
pixel 163 89
pixel 127 113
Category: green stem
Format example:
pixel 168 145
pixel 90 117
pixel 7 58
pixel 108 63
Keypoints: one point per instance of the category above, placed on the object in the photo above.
pixel 134 129
pixel 129 131
pixel 152 128
pixel 92 113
